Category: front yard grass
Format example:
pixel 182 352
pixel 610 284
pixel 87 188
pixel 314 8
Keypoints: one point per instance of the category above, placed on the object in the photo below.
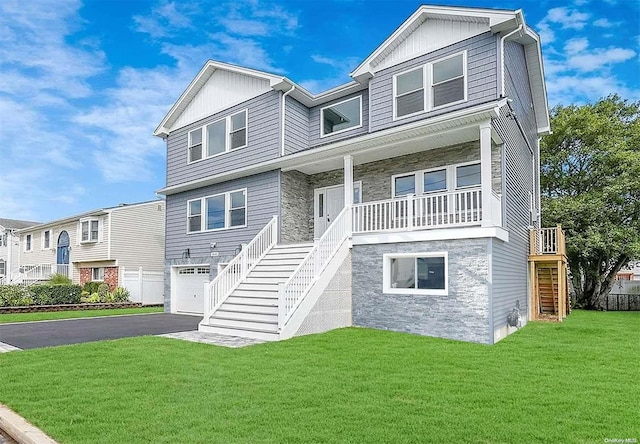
pixel 570 382
pixel 72 314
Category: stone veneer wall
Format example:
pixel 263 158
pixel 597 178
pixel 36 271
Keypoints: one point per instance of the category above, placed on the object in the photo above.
pixel 333 308
pixel 297 215
pixel 464 314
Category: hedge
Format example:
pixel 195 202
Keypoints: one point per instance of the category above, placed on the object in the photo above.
pixel 43 294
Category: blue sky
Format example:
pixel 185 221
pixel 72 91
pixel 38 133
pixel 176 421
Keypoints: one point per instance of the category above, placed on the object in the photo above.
pixel 83 84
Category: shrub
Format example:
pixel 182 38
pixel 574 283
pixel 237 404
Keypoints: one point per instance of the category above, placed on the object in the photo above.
pixel 91 287
pixel 60 279
pixel 14 296
pixel 91 299
pixel 47 294
pixel 119 294
pixel 103 292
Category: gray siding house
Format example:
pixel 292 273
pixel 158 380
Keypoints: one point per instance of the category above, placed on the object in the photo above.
pixel 401 200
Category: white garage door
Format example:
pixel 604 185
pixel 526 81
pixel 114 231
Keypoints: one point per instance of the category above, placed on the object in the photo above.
pixel 189 288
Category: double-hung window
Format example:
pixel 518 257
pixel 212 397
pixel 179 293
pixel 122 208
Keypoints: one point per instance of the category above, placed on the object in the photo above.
pixel 217 212
pixel 28 242
pixel 415 273
pixel 430 86
pixel 89 230
pixel 3 240
pixel 3 267
pixel 218 137
pixel 341 116
pixel 46 239
pixel 449 178
pixel 97 274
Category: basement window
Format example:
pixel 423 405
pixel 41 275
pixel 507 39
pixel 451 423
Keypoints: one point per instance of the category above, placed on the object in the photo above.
pixel 415 273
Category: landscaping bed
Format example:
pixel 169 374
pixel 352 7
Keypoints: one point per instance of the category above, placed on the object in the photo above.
pixel 72 307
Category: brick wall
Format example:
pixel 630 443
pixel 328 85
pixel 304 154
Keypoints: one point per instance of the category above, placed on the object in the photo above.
pixel 110 276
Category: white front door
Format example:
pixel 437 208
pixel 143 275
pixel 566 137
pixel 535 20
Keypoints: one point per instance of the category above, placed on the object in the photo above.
pixel 328 202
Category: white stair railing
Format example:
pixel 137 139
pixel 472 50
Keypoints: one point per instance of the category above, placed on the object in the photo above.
pixel 292 292
pixel 218 290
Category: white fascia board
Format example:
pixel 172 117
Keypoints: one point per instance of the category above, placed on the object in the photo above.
pixel 498 19
pixel 481 112
pixel 436 234
pixel 62 221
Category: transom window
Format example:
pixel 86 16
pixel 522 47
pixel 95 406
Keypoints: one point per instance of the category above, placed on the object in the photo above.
pixel 219 137
pixel 446 82
pixel 217 212
pixel 89 230
pixel 415 273
pixel 449 178
pixel 342 116
pixel 97 274
pixel 46 239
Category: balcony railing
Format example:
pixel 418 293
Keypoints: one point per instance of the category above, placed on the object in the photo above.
pixel 547 241
pixel 437 210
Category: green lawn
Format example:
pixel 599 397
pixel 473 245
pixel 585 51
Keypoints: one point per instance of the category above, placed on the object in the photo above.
pixel 49 315
pixel 557 383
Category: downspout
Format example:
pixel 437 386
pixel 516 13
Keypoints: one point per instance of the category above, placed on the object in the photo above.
pixel 284 107
pixel 517 30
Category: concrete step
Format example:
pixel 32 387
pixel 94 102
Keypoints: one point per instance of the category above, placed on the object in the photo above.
pixel 240 332
pixel 242 316
pixel 268 327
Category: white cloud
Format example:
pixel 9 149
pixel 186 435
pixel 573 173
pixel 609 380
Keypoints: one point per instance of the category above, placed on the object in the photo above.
pixel 165 19
pixel 581 89
pixel 568 18
pixel 605 23
pixel 599 58
pixel 576 45
pixel 245 27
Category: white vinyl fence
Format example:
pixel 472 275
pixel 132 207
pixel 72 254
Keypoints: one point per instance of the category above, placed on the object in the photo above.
pixel 146 287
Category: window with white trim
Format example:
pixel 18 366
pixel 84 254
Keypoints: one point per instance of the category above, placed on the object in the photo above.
pixel 46 239
pixel 3 240
pixel 221 136
pixel 218 212
pixel 28 244
pixel 89 230
pixel 430 86
pixel 341 116
pixel 416 273
pixel 448 80
pixel 3 267
pixel 97 274
pixel 441 179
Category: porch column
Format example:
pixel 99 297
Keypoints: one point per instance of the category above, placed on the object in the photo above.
pixel 348 180
pixel 485 173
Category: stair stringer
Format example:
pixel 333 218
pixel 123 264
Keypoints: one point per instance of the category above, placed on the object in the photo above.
pixel 311 298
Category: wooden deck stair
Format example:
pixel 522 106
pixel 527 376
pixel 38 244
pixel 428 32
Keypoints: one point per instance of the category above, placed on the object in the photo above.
pixel 549 297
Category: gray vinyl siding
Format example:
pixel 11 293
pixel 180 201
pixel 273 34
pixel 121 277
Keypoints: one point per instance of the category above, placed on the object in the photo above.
pixel 510 259
pixel 482 67
pixel 137 236
pixel 297 126
pixel 262 204
pixel 263 137
pixel 314 122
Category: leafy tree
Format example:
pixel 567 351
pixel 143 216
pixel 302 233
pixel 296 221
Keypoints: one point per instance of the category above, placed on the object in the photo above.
pixel 590 183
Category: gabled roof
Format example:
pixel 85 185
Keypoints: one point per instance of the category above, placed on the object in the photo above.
pixel 14 224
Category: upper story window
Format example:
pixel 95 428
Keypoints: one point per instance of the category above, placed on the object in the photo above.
pixel 219 137
pixel 46 239
pixel 341 116
pixel 217 212
pixel 447 84
pixel 89 230
pixel 448 81
pixel 449 178
pixel 28 242
pixel 3 240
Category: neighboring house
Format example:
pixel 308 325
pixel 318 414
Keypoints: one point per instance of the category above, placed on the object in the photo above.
pixel 401 200
pixel 95 246
pixel 9 245
pixel 631 272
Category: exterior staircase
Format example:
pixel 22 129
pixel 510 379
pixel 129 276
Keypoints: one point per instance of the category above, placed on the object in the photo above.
pixel 548 289
pixel 251 310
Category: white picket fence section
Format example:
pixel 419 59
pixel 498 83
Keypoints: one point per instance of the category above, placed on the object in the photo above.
pixel 291 293
pixel 217 291
pixel 146 287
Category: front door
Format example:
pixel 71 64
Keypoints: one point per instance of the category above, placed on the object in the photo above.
pixel 63 254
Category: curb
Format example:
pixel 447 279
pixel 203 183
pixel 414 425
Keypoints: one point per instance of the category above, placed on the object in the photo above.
pixel 19 429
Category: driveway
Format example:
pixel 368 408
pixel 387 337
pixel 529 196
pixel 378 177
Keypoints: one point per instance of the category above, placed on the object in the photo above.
pixel 50 333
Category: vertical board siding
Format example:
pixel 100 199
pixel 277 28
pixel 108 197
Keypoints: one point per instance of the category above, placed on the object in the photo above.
pixel 314 121
pixel 482 69
pixel 263 137
pixel 262 204
pixel 137 236
pixel 297 126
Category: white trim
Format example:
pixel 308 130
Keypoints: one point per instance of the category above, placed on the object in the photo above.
pixel 227 131
pixel 29 244
pixel 227 211
pixel 431 235
pixel 173 273
pixel 451 177
pixel 386 270
pixel 43 238
pixel 89 240
pixel 322 134
pixel 424 92
pixel 465 76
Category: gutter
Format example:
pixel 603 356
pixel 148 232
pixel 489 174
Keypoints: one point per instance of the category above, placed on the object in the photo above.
pixel 284 107
pixel 518 30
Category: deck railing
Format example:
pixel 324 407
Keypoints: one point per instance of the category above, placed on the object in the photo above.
pixel 457 208
pixel 291 292
pixel 547 241
pixel 217 291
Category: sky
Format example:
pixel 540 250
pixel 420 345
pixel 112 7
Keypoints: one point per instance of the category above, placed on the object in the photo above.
pixel 83 84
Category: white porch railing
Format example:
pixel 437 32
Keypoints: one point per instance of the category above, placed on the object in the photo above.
pixel 217 291
pixel 457 208
pixel 292 292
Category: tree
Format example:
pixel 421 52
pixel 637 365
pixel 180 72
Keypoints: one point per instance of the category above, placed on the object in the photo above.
pixel 590 183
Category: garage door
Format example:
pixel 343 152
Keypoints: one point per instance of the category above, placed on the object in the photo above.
pixel 189 289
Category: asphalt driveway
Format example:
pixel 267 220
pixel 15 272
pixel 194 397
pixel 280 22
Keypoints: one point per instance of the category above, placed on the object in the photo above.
pixel 50 333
